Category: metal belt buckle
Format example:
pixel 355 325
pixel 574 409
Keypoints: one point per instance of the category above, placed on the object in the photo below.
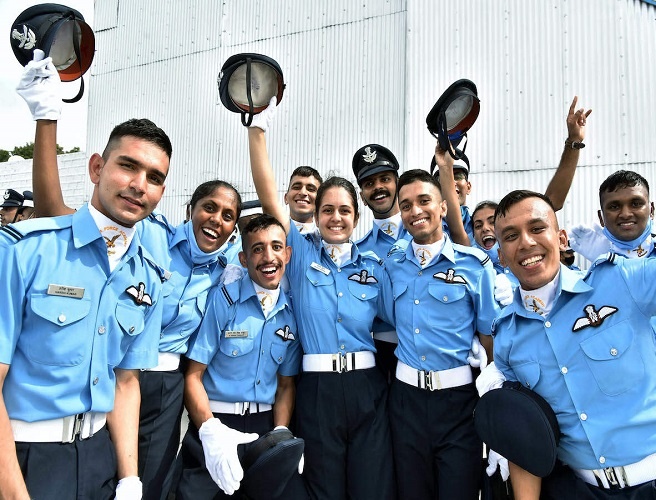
pixel 245 408
pixel 427 379
pixel 78 421
pixel 339 363
pixel 615 482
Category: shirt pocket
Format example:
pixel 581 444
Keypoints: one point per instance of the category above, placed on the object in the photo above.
pixel 528 373
pixel 362 292
pixel 612 351
pixel 239 368
pixel 319 283
pixel 59 338
pixel 278 353
pixel 130 318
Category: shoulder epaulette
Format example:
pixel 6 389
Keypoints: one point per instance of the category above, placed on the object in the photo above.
pixel 400 246
pixel 12 232
pixel 164 274
pixel 158 218
pixel 368 254
pixel 230 292
pixel 480 255
pixel 604 258
pixel 22 229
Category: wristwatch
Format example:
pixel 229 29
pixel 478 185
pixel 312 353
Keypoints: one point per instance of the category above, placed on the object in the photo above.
pixel 574 144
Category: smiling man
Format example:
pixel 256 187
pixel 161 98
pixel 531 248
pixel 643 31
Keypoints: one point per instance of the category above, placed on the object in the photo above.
pixel 585 344
pixel 377 172
pixel 442 295
pixel 301 195
pixel 240 378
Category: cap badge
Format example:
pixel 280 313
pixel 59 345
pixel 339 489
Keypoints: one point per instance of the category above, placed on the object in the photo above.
pixel 27 38
pixel 6 195
pixel 369 156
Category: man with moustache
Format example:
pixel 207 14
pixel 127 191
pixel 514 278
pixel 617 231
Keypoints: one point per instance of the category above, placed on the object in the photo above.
pixel 585 344
pixel 242 363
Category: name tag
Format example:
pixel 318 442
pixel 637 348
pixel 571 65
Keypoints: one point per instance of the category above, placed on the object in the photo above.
pixel 236 334
pixel 320 268
pixel 66 291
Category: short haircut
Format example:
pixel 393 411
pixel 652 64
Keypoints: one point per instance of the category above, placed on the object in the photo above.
pixel 485 204
pixel 258 223
pixel 517 196
pixel 419 175
pixel 305 171
pixel 141 128
pixel 207 188
pixel 620 180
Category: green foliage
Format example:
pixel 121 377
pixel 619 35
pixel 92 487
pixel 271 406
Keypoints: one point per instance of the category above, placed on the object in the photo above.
pixel 27 151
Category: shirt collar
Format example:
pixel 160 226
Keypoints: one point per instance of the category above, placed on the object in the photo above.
pixel 447 252
pixel 247 290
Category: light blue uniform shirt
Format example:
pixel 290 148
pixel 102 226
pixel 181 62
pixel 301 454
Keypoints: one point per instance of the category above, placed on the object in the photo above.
pixel 334 308
pixel 243 351
pixel 593 359
pixel 438 309
pixel 380 243
pixel 63 348
pixel 185 292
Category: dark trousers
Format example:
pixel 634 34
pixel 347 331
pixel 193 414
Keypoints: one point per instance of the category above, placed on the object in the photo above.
pixel 343 419
pixel 159 428
pixel 563 484
pixel 437 452
pixel 196 482
pixel 386 359
pixel 81 470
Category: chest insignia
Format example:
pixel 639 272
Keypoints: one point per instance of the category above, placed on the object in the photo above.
pixel 593 317
pixel 450 277
pixel 139 295
pixel 285 333
pixel 363 277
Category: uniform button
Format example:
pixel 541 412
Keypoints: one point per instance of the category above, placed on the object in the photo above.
pixel 613 352
pixel 423 358
pixel 262 351
pixel 342 347
pixel 416 301
pixel 547 324
pixel 161 335
pixel 364 295
pixel 445 298
pixel 584 416
pixel 95 381
pixel 563 370
pixel 340 294
pixel 258 382
pixel 132 329
pixel 315 282
pixel 339 320
pixel 61 318
pixel 416 330
pixel 419 273
pixel 279 359
pixel 234 353
pixel 339 270
pixel 101 330
pixel 602 460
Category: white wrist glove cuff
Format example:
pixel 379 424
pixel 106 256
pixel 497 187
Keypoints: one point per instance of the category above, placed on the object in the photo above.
pixel 129 488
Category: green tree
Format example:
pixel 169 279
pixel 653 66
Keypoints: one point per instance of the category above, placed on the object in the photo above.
pixel 27 151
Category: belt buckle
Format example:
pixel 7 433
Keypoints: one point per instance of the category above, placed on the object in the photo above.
pixel 426 379
pixel 245 408
pixel 615 481
pixel 339 363
pixel 72 430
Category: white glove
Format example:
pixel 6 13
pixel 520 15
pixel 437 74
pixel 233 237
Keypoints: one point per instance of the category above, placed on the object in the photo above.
pixel 264 119
pixel 220 449
pixel 494 460
pixel 39 87
pixel 301 462
pixel 477 357
pixel 490 378
pixel 230 274
pixel 588 241
pixel 503 290
pixel 129 488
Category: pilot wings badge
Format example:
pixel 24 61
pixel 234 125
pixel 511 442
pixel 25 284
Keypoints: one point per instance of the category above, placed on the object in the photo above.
pixel 450 277
pixel 285 333
pixel 363 277
pixel 139 295
pixel 593 317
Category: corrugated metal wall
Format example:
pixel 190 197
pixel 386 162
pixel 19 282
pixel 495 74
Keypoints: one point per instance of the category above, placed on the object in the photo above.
pixel 369 72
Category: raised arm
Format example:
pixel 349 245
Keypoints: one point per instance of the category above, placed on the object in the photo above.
pixel 263 176
pixel 562 180
pixel 448 187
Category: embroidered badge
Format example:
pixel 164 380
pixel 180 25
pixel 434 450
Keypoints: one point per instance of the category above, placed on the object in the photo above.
pixel 641 252
pixel 593 317
pixel 388 228
pixel 138 293
pixel 285 333
pixel 535 304
pixel 266 301
pixel 363 277
pixel 333 252
pixel 450 277
pixel 369 156
pixel 27 38
pixel 110 240
pixel 423 256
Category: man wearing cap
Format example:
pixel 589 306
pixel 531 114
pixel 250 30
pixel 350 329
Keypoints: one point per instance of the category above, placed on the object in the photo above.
pixel 12 201
pixel 443 295
pixel 27 210
pixel 377 171
pixel 585 344
pixel 240 379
